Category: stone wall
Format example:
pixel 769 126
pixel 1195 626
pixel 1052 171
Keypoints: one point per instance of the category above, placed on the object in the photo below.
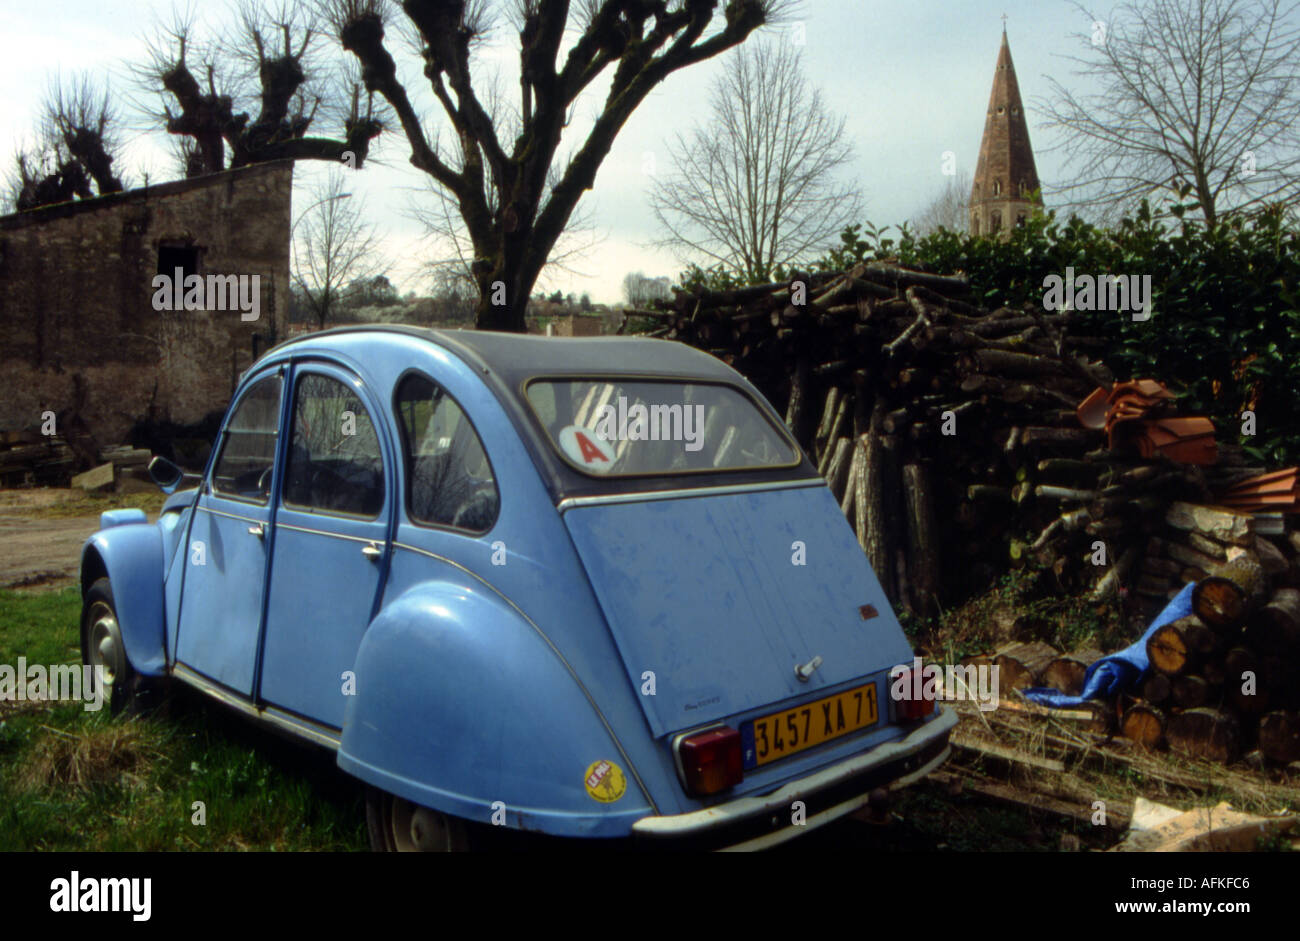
pixel 79 334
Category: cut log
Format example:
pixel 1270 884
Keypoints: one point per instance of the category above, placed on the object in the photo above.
pixel 1021 665
pixel 923 561
pixel 1270 556
pixel 1157 688
pixel 1144 724
pixel 838 469
pixel 1205 733
pixel 1283 614
pixel 1232 593
pixel 1066 672
pixel 1222 525
pixel 1169 650
pixel 1190 691
pixel 1279 737
pixel 1189 556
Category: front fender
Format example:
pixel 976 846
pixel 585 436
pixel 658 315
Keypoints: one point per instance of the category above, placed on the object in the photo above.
pixel 131 556
pixel 461 703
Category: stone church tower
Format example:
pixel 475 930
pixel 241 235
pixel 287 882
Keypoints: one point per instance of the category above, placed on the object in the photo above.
pixel 1005 179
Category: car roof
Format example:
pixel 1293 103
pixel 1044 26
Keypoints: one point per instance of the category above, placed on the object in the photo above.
pixel 505 361
pixel 516 357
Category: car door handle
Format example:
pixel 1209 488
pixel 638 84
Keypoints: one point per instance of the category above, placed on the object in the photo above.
pixel 259 531
pixel 371 551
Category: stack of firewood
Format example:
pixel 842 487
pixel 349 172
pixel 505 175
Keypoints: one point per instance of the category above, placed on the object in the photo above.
pixel 949 432
pixel 1224 678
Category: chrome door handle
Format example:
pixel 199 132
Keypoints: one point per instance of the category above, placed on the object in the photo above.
pixel 371 551
pixel 259 531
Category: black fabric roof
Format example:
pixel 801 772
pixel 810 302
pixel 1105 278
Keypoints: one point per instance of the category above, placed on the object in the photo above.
pixel 508 360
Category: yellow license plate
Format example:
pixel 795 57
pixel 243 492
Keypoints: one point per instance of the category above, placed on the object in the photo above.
pixel 782 734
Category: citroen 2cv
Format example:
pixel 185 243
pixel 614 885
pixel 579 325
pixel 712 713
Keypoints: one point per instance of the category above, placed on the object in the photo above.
pixel 582 587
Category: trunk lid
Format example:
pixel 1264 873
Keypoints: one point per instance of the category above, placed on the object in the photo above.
pixel 705 593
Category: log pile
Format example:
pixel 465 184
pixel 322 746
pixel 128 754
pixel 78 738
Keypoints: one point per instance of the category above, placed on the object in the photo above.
pixel 1223 679
pixel 949 434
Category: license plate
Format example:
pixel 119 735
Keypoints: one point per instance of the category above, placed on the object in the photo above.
pixel 781 734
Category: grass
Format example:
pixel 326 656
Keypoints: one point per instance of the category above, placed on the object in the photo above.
pixel 77 780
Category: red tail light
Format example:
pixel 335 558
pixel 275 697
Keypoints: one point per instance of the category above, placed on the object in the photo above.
pixel 711 760
pixel 913 704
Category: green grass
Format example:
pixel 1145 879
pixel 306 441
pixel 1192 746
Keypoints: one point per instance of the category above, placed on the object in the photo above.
pixel 71 779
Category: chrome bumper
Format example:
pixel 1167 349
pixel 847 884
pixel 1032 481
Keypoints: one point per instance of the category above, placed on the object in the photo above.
pixel 750 823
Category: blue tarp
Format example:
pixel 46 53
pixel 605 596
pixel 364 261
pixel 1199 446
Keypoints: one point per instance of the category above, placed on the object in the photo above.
pixel 1120 671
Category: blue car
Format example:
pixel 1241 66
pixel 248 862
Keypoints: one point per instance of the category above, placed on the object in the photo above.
pixel 580 587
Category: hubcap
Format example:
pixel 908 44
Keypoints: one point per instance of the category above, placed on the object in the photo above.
pixel 418 829
pixel 105 646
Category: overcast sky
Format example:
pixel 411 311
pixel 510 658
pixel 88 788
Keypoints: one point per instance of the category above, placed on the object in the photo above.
pixel 912 78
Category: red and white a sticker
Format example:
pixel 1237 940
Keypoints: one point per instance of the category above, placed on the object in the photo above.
pixel 584 448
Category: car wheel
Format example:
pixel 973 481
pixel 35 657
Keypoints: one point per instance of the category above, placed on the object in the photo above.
pixel 398 826
pixel 101 646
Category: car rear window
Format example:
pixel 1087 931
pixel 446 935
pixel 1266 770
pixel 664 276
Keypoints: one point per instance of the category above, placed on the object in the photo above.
pixel 633 428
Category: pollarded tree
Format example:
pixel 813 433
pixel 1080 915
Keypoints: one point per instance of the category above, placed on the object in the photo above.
pixel 755 188
pixel 512 216
pixel 78 144
pixel 256 98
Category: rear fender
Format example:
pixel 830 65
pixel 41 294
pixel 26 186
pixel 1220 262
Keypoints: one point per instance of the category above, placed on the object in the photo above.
pixel 463 706
pixel 131 555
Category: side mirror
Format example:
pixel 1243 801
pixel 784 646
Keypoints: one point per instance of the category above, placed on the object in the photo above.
pixel 165 474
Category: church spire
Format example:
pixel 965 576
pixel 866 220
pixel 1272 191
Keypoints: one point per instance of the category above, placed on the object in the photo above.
pixel 1005 177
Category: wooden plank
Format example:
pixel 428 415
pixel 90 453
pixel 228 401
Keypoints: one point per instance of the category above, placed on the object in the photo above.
pixel 96 478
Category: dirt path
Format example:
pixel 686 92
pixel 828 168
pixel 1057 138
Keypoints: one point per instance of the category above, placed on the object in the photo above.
pixel 44 552
pixel 41 535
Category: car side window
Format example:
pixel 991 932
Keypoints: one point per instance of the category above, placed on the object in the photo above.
pixel 243 469
pixel 449 481
pixel 334 463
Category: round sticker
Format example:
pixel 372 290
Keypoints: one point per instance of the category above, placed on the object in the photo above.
pixel 586 449
pixel 605 781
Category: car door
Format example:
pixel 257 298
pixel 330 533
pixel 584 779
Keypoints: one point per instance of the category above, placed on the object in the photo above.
pixel 331 543
pixel 226 549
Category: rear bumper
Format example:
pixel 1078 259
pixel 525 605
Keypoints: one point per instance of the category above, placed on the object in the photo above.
pixel 751 823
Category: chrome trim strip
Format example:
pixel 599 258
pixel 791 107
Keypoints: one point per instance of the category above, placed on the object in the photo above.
pixel 233 516
pixel 702 821
pixel 321 532
pixel 647 495
pixel 299 726
pixel 555 650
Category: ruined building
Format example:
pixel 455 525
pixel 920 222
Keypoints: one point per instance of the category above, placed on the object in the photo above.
pixel 80 334
pixel 1005 190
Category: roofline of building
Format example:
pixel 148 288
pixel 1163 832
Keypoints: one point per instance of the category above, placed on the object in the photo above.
pixel 19 220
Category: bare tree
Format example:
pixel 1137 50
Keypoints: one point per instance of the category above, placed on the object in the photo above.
pixel 1199 96
pixel 512 217
pixel 638 290
pixel 76 147
pixel 755 187
pixel 334 247
pixel 255 98
pixel 949 209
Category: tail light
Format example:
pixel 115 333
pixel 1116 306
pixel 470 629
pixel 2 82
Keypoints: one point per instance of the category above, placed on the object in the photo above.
pixel 711 761
pixel 913 704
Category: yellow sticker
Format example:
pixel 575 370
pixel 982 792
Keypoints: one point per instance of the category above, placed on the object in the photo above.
pixel 605 781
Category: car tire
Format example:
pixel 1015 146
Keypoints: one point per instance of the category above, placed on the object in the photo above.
pixel 101 645
pixel 396 825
